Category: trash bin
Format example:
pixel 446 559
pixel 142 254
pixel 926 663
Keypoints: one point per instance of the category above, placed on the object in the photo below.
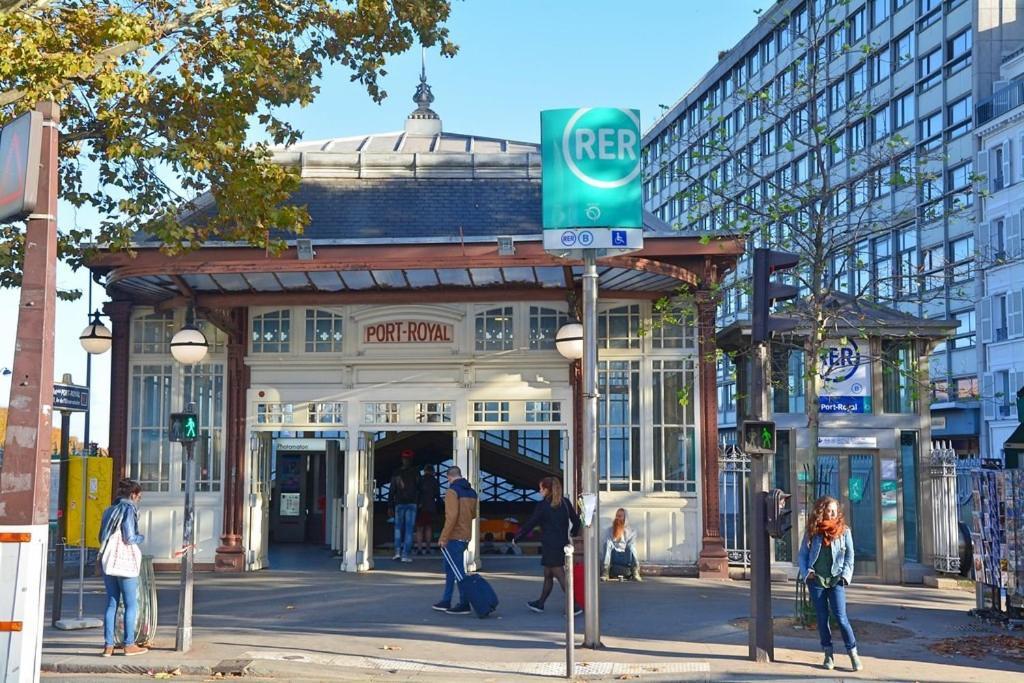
pixel 145 624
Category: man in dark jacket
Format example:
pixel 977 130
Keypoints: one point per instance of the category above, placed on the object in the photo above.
pixel 405 491
pixel 460 508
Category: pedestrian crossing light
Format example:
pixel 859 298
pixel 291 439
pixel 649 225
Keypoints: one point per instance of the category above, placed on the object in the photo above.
pixel 184 427
pixel 758 437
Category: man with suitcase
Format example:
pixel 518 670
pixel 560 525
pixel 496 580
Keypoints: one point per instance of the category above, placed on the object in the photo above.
pixel 459 512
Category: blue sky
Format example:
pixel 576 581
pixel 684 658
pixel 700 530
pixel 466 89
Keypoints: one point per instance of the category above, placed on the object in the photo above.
pixel 516 58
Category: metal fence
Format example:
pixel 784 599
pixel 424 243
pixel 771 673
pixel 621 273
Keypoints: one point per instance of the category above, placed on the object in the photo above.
pixel 733 475
pixel 950 482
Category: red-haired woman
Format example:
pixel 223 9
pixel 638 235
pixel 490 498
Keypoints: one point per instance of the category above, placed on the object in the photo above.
pixel 620 550
pixel 826 564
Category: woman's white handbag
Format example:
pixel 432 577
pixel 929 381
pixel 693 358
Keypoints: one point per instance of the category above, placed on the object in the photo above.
pixel 120 558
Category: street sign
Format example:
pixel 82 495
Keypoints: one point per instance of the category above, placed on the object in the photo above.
pixel 20 144
pixel 591 178
pixel 184 427
pixel 70 397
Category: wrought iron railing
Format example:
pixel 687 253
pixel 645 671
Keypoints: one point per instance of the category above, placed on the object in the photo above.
pixel 733 477
pixel 942 470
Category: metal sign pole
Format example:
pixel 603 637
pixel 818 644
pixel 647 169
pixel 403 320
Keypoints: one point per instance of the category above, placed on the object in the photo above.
pixel 591 571
pixel 62 517
pixel 81 535
pixel 761 644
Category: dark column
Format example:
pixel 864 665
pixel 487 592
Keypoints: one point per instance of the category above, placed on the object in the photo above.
pixel 120 313
pixel 230 555
pixel 714 561
pixel 576 382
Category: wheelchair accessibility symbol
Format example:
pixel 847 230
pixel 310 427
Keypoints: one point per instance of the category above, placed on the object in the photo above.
pixel 618 238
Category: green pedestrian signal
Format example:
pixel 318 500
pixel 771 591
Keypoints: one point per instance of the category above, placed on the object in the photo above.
pixel 184 427
pixel 758 437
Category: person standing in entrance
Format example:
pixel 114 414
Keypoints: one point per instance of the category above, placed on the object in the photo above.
pixel 558 521
pixel 459 512
pixel 122 518
pixel 402 499
pixel 430 491
pixel 826 564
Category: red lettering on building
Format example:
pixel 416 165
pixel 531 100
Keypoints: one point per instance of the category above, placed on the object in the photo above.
pixel 409 332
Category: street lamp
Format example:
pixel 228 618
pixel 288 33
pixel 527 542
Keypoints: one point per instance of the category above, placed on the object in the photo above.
pixel 569 341
pixel 95 338
pixel 189 345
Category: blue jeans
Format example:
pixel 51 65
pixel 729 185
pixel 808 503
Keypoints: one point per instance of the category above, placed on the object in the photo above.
pixel 121 588
pixel 457 550
pixel 405 524
pixel 833 599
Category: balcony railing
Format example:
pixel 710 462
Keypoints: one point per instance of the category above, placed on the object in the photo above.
pixel 1002 101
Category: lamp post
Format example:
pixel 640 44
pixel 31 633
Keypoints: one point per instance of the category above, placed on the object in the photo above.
pixel 569 343
pixel 188 346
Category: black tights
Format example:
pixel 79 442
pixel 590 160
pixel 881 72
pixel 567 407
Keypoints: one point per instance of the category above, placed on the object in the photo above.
pixel 551 573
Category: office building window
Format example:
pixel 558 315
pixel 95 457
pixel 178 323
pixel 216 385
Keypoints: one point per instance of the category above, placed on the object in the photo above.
pixel 857 26
pixel 930 69
pixel 959 184
pixel 858 81
pixel 958 118
pixel 879 12
pixel 961 256
pixel 965 333
pixel 903 110
pixel 881 64
pixel 929 131
pixel 958 52
pixel 906 50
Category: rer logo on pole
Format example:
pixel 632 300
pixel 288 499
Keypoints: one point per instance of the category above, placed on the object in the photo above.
pixel 20 145
pixel 591 179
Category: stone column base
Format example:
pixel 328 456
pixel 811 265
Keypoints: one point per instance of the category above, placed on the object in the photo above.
pixel 713 562
pixel 230 556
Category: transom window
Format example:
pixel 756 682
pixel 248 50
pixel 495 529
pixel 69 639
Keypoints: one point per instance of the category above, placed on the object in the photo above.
pixel 275 413
pixel 331 413
pixel 152 333
pixel 434 411
pixel 323 331
pixel 494 329
pixel 380 413
pixel 271 332
pixel 544 325
pixel 490 411
pixel 543 411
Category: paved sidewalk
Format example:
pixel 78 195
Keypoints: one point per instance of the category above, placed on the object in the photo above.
pixel 315 623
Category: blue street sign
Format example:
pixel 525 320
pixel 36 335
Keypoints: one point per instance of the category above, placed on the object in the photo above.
pixel 70 397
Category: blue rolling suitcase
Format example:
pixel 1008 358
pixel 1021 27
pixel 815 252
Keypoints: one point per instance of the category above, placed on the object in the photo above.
pixel 474 588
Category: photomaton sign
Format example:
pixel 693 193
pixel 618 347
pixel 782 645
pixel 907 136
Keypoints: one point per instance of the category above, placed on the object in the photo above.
pixel 19 165
pixel 591 179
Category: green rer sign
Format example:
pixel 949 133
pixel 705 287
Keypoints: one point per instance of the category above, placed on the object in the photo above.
pixel 591 179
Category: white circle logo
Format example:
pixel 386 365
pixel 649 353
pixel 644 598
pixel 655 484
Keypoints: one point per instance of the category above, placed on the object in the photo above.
pixel 605 148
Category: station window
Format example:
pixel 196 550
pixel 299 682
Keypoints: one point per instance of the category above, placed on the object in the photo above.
pixel 675 431
pixel 275 413
pixel 327 413
pixel 494 329
pixel 148 448
pixel 380 413
pixel 490 411
pixel 543 411
pixel 619 328
pixel 899 375
pixel 676 332
pixel 323 331
pixel 271 332
pixel 152 333
pixel 434 411
pixel 544 324
pixel 203 385
pixel 618 419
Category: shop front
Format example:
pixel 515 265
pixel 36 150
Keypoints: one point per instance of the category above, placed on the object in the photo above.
pixel 420 316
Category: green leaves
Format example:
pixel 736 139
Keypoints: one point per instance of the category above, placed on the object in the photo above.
pixel 164 100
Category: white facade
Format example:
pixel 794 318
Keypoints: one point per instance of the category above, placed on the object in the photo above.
pixel 1000 307
pixel 342 374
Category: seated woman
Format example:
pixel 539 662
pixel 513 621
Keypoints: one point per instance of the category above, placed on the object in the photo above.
pixel 620 550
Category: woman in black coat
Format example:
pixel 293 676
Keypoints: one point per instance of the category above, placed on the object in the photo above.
pixel 558 520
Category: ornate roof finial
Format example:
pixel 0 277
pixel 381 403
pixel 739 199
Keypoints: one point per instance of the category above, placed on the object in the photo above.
pixel 423 120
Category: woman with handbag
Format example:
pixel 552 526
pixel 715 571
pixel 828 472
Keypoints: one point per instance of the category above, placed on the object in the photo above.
pixel 120 561
pixel 558 522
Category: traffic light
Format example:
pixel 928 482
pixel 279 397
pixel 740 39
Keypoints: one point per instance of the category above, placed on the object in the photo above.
pixel 767 291
pixel 184 427
pixel 777 514
pixel 758 437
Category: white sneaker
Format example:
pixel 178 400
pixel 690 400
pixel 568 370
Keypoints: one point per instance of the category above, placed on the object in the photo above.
pixel 406 559
pixel 397 556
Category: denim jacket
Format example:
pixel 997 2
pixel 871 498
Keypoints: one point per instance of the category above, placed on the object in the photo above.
pixel 122 513
pixel 842 555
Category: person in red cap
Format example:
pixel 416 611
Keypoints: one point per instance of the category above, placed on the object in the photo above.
pixel 404 495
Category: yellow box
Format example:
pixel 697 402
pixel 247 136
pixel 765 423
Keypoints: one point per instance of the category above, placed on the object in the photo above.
pixel 98 484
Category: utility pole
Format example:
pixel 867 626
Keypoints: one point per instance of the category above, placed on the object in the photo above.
pixel 62 514
pixel 185 430
pixel 591 537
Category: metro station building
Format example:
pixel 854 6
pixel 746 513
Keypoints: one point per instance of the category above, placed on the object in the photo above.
pixel 423 317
